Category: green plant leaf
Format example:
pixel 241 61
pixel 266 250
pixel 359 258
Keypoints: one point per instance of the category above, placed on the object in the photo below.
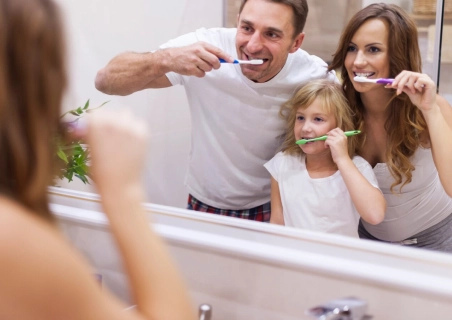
pixel 86 105
pixel 62 155
pixel 92 109
pixel 102 104
pixel 69 176
pixel 83 178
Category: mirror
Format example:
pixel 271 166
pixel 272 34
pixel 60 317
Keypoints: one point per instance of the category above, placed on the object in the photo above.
pixel 98 31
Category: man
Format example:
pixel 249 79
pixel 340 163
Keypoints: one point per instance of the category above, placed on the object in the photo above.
pixel 234 109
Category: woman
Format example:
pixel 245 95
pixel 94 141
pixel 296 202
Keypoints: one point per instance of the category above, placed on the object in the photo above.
pixel 407 127
pixel 41 275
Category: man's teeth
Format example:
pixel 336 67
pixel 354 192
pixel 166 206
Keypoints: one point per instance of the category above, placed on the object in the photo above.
pixel 365 75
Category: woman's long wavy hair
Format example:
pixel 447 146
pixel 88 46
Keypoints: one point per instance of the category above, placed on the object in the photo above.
pixel 333 101
pixel 405 123
pixel 32 81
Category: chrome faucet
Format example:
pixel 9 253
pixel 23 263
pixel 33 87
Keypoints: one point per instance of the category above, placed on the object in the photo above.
pixel 340 309
pixel 205 312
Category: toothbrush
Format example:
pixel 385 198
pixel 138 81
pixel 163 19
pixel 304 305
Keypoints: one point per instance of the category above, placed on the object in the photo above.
pixel 256 61
pixel 381 80
pixel 322 138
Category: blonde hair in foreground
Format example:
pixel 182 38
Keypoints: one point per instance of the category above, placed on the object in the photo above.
pixel 405 124
pixel 32 81
pixel 334 102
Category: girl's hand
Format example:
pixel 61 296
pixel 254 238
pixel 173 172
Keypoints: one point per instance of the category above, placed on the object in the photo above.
pixel 337 142
pixel 419 87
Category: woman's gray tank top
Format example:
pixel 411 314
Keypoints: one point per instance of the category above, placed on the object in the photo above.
pixel 422 203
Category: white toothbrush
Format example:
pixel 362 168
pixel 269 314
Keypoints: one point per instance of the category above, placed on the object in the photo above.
pixel 381 80
pixel 255 61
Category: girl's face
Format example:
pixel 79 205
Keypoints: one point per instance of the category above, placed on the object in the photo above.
pixel 367 55
pixel 313 122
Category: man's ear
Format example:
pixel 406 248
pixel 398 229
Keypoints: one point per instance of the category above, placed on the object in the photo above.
pixel 297 42
pixel 238 19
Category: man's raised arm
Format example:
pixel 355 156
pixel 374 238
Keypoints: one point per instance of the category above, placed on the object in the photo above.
pixel 130 72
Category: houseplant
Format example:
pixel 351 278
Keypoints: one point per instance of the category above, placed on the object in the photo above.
pixel 72 155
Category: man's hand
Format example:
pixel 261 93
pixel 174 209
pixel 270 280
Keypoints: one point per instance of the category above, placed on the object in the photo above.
pixel 195 59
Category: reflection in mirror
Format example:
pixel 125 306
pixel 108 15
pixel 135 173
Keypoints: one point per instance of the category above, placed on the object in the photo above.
pixel 166 110
pixel 138 26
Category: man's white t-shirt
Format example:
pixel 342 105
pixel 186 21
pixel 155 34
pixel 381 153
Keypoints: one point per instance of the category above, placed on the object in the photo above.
pixel 235 123
pixel 322 204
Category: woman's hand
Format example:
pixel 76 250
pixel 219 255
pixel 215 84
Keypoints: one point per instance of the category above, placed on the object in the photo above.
pixel 117 143
pixel 419 87
pixel 337 142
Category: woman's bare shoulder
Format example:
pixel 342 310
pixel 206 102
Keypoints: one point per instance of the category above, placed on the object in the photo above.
pixel 22 235
pixel 38 267
pixel 16 223
pixel 19 225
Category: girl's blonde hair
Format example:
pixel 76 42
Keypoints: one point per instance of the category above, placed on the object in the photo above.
pixel 405 124
pixel 333 101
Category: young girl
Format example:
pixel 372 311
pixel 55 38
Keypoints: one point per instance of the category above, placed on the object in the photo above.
pixel 321 185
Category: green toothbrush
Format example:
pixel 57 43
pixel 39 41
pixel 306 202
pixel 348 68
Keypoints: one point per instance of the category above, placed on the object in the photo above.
pixel 347 133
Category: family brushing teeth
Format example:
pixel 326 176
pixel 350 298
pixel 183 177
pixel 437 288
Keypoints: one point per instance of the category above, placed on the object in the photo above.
pixel 279 140
pixel 249 86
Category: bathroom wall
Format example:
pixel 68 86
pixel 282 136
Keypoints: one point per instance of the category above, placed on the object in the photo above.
pixel 97 31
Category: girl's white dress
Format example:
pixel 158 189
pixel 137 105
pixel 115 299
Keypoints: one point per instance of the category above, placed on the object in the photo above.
pixel 322 204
